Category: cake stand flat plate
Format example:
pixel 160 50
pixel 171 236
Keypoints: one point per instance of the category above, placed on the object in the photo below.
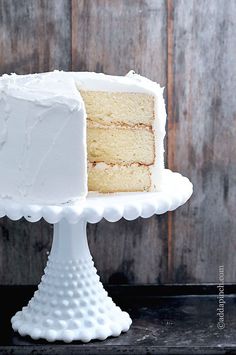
pixel 176 190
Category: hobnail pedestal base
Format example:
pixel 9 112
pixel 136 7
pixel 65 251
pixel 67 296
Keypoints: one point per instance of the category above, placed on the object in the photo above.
pixel 70 303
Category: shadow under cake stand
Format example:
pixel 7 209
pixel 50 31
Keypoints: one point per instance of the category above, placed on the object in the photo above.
pixel 71 303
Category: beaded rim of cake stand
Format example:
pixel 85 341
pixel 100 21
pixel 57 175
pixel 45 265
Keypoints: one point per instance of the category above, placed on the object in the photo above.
pixel 176 190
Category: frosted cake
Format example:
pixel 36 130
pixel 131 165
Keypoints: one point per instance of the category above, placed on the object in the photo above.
pixel 63 134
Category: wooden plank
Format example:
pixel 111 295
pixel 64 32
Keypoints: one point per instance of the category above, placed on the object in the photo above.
pixel 23 251
pixel 202 141
pixel 133 252
pixel 35 36
pixel 170 125
pixel 114 37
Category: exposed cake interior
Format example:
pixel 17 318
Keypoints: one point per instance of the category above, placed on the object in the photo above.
pixel 120 140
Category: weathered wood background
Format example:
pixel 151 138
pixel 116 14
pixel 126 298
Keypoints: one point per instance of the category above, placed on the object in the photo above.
pixel 190 48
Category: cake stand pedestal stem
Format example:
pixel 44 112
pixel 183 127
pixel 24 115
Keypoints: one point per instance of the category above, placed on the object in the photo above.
pixel 70 241
pixel 70 303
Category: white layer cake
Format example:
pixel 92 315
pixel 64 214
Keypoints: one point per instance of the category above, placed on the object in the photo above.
pixel 62 134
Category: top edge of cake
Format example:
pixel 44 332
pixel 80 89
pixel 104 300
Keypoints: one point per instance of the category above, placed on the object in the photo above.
pixel 63 84
pixel 131 82
pixel 43 88
pixel 59 87
pixel 63 88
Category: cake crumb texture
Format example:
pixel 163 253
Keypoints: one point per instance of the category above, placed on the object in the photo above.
pixel 119 178
pixel 120 146
pixel 119 107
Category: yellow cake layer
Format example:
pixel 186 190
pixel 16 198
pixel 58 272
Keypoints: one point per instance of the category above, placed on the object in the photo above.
pixel 118 178
pixel 119 107
pixel 120 145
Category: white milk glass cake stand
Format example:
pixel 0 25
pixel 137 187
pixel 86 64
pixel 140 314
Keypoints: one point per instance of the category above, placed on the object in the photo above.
pixel 71 303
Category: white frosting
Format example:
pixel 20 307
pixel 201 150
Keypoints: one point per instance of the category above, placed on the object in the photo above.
pixel 43 141
pixel 104 166
pixel 93 124
pixel 43 132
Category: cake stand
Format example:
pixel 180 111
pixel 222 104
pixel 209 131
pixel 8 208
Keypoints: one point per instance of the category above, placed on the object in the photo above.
pixel 71 303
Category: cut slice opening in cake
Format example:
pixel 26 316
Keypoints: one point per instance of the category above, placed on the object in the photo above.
pixel 120 140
